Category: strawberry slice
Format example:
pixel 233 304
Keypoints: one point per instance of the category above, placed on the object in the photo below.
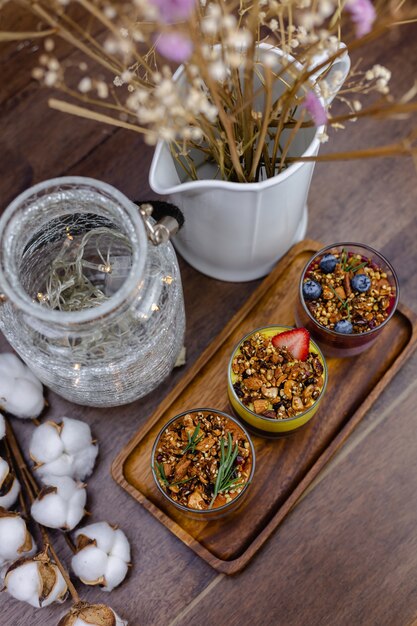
pixel 297 341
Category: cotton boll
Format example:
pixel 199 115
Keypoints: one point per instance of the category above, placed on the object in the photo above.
pixel 2 427
pixel 21 393
pixel 9 485
pixel 15 539
pixel 63 448
pixel 84 614
pixel 103 555
pixel 60 504
pixel 36 580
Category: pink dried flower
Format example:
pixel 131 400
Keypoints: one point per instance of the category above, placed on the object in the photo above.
pixel 314 107
pixel 174 10
pixel 174 46
pixel 363 15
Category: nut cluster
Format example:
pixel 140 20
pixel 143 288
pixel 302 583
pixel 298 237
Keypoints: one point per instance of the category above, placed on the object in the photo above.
pixel 339 300
pixel 188 458
pixel 271 382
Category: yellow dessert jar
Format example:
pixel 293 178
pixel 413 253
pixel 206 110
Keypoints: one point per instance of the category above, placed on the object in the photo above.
pixel 261 424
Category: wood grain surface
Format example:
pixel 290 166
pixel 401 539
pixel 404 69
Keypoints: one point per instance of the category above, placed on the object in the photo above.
pixel 347 554
pixel 284 468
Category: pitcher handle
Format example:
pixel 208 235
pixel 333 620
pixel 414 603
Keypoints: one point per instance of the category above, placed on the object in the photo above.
pixel 337 73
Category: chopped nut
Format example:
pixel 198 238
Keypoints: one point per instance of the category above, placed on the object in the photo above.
pixel 181 468
pixel 205 444
pixel 196 501
pixel 253 383
pixel 260 406
pixel 297 404
pixel 271 392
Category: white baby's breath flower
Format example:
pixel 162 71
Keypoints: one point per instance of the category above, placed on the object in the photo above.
pixel 118 81
pixel 326 8
pixel 109 12
pixel 357 105
pixel 218 71
pixel 323 137
pixel 50 78
pixel 38 73
pixel 167 134
pixel 382 86
pixel 269 59
pixel 209 26
pixel 310 19
pixel 110 45
pixel 239 39
pixel 102 89
pixel 49 44
pixel 85 85
pixel 234 58
pixel 273 25
pixel 151 139
pixel 229 22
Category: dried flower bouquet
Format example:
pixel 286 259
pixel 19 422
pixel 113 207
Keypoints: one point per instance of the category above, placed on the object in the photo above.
pixel 234 107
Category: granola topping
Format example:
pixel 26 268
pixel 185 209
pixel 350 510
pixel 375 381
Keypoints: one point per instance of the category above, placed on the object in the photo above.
pixel 271 382
pixel 203 460
pixel 353 298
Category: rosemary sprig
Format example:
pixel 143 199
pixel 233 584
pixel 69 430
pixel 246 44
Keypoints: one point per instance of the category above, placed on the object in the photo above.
pixel 164 479
pixel 344 259
pixel 225 477
pixel 193 440
pixel 355 268
pixel 344 302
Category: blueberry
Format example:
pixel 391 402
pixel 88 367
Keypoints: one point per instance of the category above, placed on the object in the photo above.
pixel 311 290
pixel 361 283
pixel 344 326
pixel 328 263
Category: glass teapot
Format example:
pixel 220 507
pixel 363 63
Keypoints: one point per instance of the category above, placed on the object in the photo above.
pixel 90 291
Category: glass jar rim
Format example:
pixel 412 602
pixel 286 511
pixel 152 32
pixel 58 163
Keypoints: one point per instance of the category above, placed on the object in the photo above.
pixel 23 301
pixel 345 244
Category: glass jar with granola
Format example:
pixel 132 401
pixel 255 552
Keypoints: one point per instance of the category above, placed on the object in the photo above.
pixel 347 294
pixel 277 377
pixel 203 462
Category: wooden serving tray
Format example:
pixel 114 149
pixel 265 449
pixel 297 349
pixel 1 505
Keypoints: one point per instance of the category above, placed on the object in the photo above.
pixel 284 467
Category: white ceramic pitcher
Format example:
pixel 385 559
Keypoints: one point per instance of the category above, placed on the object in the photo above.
pixel 238 231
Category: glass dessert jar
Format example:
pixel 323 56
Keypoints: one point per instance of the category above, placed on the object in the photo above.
pixel 89 303
pixel 348 293
pixel 272 391
pixel 203 462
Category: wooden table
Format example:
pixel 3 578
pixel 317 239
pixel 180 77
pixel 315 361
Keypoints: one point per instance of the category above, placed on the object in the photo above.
pixel 348 552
